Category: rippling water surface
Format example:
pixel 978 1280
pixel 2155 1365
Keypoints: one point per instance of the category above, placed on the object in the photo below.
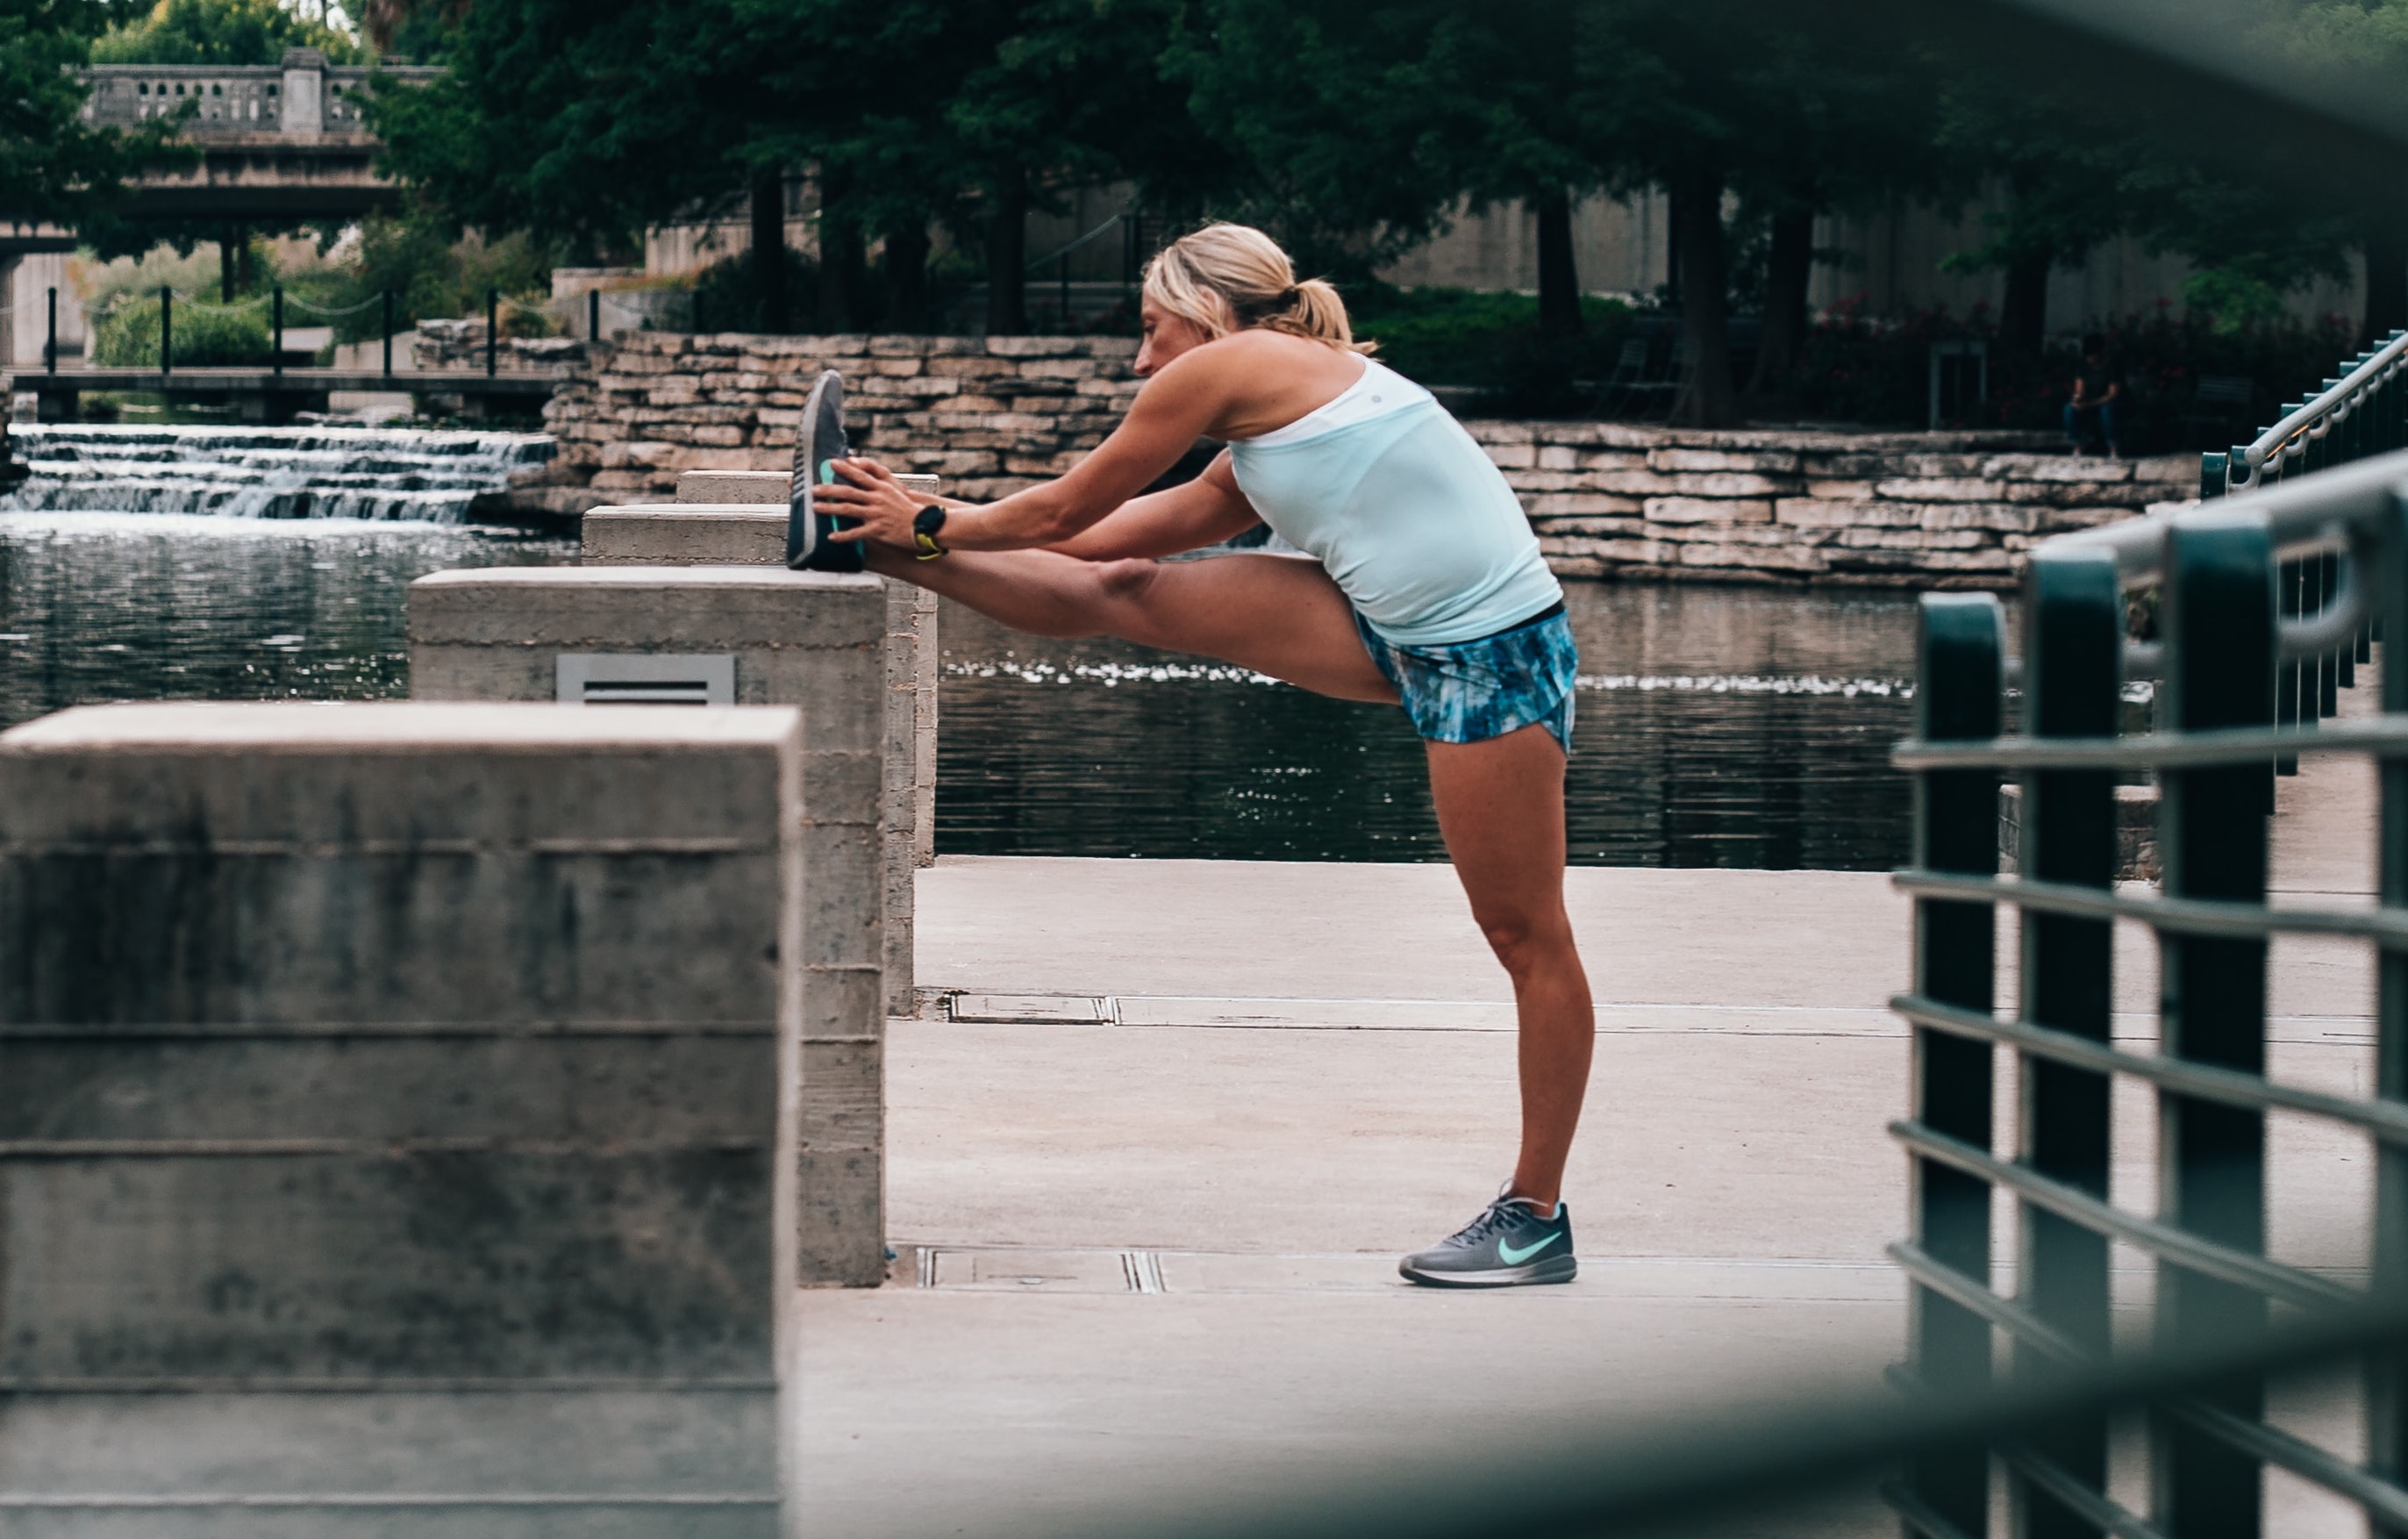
pixel 1733 726
pixel 1717 726
pixel 152 605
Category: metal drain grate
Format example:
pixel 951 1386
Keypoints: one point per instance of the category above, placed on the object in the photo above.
pixel 646 678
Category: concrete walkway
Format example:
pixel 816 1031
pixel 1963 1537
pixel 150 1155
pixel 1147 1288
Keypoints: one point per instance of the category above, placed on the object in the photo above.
pixel 1151 1171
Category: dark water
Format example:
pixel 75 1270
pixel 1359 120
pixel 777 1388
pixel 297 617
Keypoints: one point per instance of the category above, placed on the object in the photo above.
pixel 1729 726
pixel 1717 726
pixel 152 605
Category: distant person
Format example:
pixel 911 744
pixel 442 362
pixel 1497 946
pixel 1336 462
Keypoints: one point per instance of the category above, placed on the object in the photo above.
pixel 1428 592
pixel 2099 400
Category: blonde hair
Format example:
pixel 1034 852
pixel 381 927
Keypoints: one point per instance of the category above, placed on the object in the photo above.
pixel 1229 278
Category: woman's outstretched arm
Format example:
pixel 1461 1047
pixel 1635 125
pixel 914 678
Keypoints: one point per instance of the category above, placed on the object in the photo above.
pixel 1178 406
pixel 1203 511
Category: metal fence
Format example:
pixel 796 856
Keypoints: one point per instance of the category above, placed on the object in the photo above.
pixel 2362 413
pixel 2265 601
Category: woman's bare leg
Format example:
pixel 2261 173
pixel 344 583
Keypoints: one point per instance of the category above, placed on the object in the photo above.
pixel 1500 807
pixel 1280 616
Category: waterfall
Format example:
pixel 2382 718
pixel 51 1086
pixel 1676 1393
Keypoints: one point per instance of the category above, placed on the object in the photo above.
pixel 272 472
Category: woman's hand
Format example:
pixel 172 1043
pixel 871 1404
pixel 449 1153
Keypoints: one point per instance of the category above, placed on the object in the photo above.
pixel 868 491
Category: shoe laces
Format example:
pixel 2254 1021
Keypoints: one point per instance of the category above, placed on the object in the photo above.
pixel 1494 1217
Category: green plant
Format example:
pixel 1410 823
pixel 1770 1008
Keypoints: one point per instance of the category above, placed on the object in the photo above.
pixel 128 337
pixel 1491 341
pixel 430 275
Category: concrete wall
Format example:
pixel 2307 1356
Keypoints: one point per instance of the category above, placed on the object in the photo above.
pixel 811 639
pixel 739 518
pixel 1607 500
pixel 390 1053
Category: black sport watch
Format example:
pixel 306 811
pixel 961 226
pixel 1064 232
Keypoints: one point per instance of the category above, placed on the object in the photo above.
pixel 927 524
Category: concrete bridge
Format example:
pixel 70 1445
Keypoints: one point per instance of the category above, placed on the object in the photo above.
pixel 278 143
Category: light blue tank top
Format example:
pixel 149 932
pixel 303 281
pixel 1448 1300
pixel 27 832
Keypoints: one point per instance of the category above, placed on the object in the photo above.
pixel 1412 520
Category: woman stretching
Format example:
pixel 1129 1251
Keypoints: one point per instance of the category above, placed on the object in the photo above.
pixel 1428 591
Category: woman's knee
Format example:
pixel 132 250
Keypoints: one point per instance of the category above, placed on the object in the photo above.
pixel 1526 940
pixel 1123 590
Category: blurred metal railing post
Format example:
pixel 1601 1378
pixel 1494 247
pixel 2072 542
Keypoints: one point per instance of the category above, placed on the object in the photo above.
pixel 2292 676
pixel 1961 671
pixel 2386 1410
pixel 2219 610
pixel 166 329
pixel 2073 650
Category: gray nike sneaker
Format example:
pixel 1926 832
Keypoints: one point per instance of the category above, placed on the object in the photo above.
pixel 1510 1243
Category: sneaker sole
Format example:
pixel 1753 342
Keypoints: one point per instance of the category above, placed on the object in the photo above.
pixel 821 439
pixel 1541 1272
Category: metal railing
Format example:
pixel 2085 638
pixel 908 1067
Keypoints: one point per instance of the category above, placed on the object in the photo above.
pixel 2362 413
pixel 2289 574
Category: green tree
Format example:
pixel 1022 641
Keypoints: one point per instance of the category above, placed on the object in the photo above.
pixel 219 32
pixel 589 121
pixel 1361 130
pixel 581 121
pixel 2067 171
pixel 53 166
pixel 2367 40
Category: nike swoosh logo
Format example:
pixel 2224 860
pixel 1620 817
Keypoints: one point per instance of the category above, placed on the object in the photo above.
pixel 1512 1257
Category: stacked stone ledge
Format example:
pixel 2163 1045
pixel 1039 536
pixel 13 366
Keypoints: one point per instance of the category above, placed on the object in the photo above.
pixel 1607 500
pixel 989 415
pixel 1926 509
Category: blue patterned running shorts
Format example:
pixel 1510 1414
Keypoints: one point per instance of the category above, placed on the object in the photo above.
pixel 1472 691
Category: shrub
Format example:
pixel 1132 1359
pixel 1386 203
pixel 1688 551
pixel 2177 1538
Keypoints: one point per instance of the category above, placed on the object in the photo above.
pixel 203 335
pixel 431 277
pixel 1490 342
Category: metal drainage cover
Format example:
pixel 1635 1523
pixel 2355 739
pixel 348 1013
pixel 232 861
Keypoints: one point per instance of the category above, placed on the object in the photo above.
pixel 1033 1010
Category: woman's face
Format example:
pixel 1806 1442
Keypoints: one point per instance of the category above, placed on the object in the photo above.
pixel 1167 335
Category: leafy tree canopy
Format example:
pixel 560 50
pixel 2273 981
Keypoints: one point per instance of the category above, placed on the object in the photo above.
pixel 219 32
pixel 53 166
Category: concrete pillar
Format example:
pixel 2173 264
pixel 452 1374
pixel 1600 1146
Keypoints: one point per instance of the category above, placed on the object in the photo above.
pixel 397 1102
pixel 304 110
pixel 739 518
pixel 758 636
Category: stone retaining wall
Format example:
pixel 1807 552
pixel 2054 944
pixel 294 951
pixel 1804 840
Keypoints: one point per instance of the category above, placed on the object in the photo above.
pixel 1607 500
pixel 1946 510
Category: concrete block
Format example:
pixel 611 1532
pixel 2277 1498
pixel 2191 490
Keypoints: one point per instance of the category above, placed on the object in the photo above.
pixel 844 648
pixel 363 1048
pixel 678 608
pixel 733 532
pixel 758 486
pixel 739 533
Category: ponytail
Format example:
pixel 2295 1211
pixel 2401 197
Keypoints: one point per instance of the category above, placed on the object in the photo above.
pixel 1229 278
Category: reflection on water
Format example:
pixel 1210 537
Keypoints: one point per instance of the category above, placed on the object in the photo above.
pixel 1731 727
pixel 1717 726
pixel 151 606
